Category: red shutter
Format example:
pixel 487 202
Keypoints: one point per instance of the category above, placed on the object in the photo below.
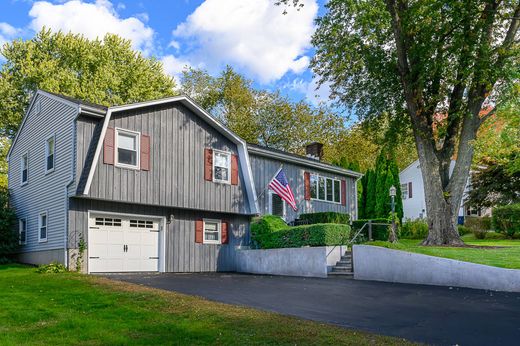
pixel 343 192
pixel 208 164
pixel 145 152
pixel 224 232
pixel 108 146
pixel 410 190
pixel 234 169
pixel 199 231
pixel 307 185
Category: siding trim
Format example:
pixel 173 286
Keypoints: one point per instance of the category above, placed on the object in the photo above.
pixel 190 104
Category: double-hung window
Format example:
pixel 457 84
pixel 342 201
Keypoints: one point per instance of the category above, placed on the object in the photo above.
pixel 212 231
pixel 325 189
pixel 42 227
pixel 404 191
pixel 22 231
pixel 127 148
pixel 50 146
pixel 221 166
pixel 24 167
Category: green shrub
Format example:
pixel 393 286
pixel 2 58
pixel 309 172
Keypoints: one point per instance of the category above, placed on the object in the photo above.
pixel 326 217
pixel 379 232
pixel 8 231
pixel 51 268
pixel 495 235
pixel 414 229
pixel 478 223
pixel 506 219
pixel 463 230
pixel 479 234
pixel 321 234
pixel 263 226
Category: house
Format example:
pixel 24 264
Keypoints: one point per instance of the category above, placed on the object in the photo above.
pixel 412 189
pixel 151 186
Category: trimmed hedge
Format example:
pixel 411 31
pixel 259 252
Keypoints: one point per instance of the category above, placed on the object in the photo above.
pixel 379 232
pixel 414 229
pixel 326 217
pixel 478 223
pixel 463 230
pixel 506 219
pixel 267 232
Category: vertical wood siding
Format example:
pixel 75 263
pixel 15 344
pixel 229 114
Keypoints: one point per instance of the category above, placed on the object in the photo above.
pixel 44 192
pixel 176 177
pixel 182 253
pixel 263 170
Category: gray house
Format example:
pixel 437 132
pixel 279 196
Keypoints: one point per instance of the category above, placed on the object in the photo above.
pixel 151 186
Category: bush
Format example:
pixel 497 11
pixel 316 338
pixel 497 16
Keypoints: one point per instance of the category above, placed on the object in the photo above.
pixel 326 217
pixel 463 230
pixel 479 234
pixel 477 223
pixel 51 268
pixel 414 229
pixel 506 219
pixel 379 232
pixel 321 234
pixel 8 233
pixel 271 232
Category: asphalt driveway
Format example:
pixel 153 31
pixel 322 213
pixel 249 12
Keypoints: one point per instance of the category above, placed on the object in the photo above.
pixel 429 314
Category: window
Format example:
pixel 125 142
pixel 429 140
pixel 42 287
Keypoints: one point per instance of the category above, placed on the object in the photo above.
pixel 49 154
pixel 127 153
pixel 277 205
pixel 108 221
pixel 24 169
pixel 22 229
pixel 141 223
pixel 325 189
pixel 404 191
pixel 42 227
pixel 221 166
pixel 212 230
pixel 37 107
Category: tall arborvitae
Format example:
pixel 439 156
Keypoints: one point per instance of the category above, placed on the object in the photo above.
pixel 362 201
pixel 370 205
pixel 398 198
pixel 381 190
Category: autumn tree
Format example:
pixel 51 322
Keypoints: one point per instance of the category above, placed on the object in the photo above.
pixel 442 65
pixel 106 71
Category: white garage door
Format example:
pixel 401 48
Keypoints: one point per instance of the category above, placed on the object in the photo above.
pixel 122 244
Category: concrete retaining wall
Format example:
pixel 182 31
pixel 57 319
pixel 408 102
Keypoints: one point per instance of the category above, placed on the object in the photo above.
pixel 381 264
pixel 304 261
pixel 42 257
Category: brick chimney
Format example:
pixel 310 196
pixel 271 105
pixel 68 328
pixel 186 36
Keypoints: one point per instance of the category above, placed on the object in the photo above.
pixel 314 151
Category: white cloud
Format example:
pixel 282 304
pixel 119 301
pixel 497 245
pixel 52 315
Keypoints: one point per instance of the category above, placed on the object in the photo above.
pixel 174 66
pixel 93 20
pixel 251 34
pixel 310 90
pixel 7 33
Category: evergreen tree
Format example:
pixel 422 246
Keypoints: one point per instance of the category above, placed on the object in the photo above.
pixel 380 188
pixel 362 199
pixel 399 197
pixel 370 204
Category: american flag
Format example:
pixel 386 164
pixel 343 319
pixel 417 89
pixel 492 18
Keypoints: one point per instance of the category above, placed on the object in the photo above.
pixel 280 185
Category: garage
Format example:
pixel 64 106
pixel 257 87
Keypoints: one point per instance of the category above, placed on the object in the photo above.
pixel 123 244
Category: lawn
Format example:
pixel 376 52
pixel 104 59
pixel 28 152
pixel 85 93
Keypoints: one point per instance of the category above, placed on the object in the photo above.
pixel 502 253
pixel 71 308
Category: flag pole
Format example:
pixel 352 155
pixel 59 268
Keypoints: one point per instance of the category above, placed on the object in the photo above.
pixel 267 187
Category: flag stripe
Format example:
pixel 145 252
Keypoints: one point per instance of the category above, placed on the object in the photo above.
pixel 280 186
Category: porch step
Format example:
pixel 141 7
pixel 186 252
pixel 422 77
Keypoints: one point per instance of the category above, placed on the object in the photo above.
pixel 347 275
pixel 343 267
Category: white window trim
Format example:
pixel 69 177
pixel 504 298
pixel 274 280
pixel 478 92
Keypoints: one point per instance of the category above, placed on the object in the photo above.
pixel 219 228
pixel 271 193
pixel 228 181
pixel 53 136
pixel 20 231
pixel 23 183
pixel 137 145
pixel 333 188
pixel 404 195
pixel 40 239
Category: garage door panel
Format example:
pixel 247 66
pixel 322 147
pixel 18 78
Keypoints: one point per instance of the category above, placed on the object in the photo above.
pixel 122 247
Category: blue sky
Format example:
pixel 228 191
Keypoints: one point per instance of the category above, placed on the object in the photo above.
pixel 253 36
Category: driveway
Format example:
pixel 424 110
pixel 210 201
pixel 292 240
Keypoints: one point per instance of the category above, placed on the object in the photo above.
pixel 429 314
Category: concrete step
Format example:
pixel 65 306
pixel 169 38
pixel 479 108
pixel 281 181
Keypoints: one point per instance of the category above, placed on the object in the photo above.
pixel 342 269
pixel 347 275
pixel 344 262
pixel 343 266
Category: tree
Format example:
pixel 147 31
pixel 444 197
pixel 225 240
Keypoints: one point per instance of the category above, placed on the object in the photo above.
pixel 8 235
pixel 443 66
pixel 370 206
pixel 104 71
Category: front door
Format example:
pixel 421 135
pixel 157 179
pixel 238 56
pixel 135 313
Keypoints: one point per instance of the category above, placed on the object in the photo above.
pixel 276 205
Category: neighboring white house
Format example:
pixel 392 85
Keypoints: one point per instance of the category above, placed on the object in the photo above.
pixel 412 187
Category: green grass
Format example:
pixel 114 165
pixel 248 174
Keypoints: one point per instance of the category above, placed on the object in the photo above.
pixel 72 309
pixel 507 256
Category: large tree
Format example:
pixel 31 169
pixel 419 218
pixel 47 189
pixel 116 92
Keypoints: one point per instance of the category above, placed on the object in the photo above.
pixel 106 71
pixel 445 65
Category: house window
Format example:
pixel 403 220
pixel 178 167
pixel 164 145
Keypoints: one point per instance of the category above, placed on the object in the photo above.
pixel 212 230
pixel 49 154
pixel 24 169
pixel 127 143
pixel 108 221
pixel 141 224
pixel 325 189
pixel 277 205
pixel 22 229
pixel 42 227
pixel 221 166
pixel 404 191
